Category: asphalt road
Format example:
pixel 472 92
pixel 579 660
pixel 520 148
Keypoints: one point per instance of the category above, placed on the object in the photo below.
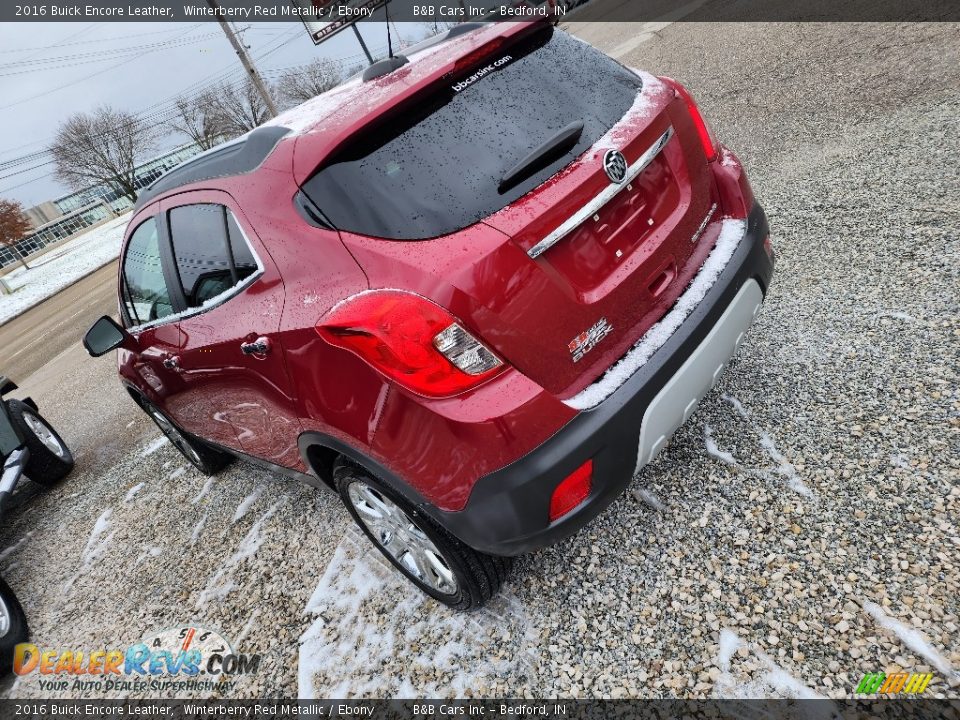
pixel 799 531
pixel 34 338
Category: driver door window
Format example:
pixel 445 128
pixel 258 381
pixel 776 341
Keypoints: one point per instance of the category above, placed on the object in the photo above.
pixel 145 294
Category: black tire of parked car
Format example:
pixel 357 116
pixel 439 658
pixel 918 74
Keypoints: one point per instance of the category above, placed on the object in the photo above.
pixel 478 575
pixel 45 466
pixel 203 457
pixel 17 630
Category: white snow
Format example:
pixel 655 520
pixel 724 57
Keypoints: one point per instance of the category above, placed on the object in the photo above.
pixel 197 530
pixel 712 448
pixel 776 682
pixel 219 586
pixel 153 446
pixel 52 272
pixel 152 551
pixel 913 639
pixel 647 497
pixel 177 473
pixel 368 616
pixel 784 467
pixel 731 233
pixel 244 507
pixel 133 491
pixel 203 491
pixel 97 545
pixel 7 552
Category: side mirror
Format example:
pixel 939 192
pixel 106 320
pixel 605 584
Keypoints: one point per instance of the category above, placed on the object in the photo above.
pixel 105 335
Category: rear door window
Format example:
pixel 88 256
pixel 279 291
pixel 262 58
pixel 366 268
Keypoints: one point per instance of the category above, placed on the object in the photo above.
pixel 146 297
pixel 437 169
pixel 211 254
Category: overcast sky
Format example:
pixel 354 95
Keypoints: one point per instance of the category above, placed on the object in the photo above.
pixel 49 71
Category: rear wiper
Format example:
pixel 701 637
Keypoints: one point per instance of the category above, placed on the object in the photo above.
pixel 550 150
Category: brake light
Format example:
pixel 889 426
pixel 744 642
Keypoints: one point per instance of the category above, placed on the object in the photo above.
pixel 703 129
pixel 475 56
pixel 410 340
pixel 571 491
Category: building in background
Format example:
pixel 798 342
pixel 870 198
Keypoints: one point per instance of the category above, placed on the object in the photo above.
pixel 145 174
pixel 64 217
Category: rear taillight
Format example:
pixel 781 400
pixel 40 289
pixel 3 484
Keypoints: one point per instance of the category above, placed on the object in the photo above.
pixel 410 340
pixel 571 491
pixel 703 130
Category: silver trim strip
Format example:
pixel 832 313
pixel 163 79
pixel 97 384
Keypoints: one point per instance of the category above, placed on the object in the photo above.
pixel 605 196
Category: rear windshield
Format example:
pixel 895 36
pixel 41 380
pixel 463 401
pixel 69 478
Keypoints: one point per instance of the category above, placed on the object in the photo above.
pixel 437 169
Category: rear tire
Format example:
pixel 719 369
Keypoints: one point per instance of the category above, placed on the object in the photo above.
pixel 13 626
pixel 431 558
pixel 203 457
pixel 50 458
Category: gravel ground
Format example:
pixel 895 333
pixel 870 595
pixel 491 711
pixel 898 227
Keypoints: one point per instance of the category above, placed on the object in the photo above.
pixel 799 531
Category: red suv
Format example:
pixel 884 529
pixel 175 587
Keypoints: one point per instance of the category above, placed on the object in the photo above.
pixel 473 291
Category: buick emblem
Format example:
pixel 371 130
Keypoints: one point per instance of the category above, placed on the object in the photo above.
pixel 616 166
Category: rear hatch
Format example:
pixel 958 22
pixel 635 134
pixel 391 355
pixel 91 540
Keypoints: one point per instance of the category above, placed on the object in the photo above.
pixel 515 143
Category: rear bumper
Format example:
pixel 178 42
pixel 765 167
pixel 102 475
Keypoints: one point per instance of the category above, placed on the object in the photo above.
pixel 508 511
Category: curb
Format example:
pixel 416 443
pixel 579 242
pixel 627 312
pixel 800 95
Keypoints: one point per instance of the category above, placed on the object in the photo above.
pixel 50 297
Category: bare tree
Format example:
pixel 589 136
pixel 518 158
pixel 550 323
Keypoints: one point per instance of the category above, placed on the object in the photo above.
pixel 104 146
pixel 200 119
pixel 307 81
pixel 13 227
pixel 241 108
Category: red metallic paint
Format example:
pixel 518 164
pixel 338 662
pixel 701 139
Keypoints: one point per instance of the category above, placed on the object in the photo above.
pixel 526 310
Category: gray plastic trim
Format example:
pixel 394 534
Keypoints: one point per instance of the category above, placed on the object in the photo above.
pixel 681 396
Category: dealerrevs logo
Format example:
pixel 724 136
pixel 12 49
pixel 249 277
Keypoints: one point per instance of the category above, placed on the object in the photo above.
pixel 482 72
pixel 173 659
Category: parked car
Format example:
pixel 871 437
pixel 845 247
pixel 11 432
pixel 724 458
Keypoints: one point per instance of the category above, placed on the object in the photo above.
pixel 28 446
pixel 474 291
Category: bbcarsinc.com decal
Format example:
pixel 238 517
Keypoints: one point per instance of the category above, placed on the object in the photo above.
pixel 186 657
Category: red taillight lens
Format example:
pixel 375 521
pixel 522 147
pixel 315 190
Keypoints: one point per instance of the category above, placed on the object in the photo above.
pixel 411 341
pixel 475 56
pixel 703 130
pixel 572 491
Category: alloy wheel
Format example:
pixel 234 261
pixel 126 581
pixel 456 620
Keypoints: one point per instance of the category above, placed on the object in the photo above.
pixel 45 435
pixel 396 533
pixel 175 436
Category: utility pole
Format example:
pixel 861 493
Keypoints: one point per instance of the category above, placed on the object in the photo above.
pixel 244 58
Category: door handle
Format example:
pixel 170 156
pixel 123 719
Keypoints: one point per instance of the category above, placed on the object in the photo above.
pixel 260 346
pixel 172 362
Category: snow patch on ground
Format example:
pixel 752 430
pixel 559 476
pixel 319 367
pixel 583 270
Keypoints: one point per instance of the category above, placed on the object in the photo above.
pixel 775 682
pixel 712 448
pixel 648 498
pixel 60 268
pixel 177 473
pixel 244 507
pixel 152 551
pixel 96 547
pixel 783 468
pixel 197 530
pixel 203 491
pixel 368 616
pixel 133 491
pixel 220 585
pixel 731 233
pixel 913 639
pixel 153 447
pixel 7 552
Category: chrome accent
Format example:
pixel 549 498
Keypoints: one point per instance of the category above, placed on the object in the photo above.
pixel 616 167
pixel 703 225
pixel 45 435
pixel 605 196
pixel 4 618
pixel 13 468
pixel 394 531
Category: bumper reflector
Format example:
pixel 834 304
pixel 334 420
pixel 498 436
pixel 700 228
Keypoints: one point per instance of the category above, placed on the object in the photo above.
pixel 572 491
